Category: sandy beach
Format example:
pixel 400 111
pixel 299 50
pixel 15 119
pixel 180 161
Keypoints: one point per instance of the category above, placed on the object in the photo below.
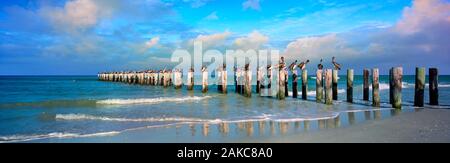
pixel 424 126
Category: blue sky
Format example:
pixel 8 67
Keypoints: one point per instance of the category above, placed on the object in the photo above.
pixel 55 37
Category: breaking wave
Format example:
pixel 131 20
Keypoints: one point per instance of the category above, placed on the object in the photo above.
pixel 150 100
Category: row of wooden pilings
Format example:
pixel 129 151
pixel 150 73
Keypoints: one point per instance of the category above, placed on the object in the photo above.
pixel 326 83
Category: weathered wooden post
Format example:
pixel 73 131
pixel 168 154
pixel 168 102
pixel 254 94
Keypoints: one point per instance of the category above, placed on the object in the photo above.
pixel 219 79
pixel 366 85
pixel 319 86
pixel 224 80
pixel 433 84
pixel 419 89
pixel 286 84
pixel 239 81
pixel 397 94
pixel 350 85
pixel 258 80
pixel 294 83
pixel 204 80
pixel 304 84
pixel 391 86
pixel 190 79
pixel 248 82
pixel 328 91
pixel 236 89
pixel 335 85
pixel 177 77
pixel 281 84
pixel 375 88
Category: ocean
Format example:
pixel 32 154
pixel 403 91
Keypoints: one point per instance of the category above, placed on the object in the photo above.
pixel 83 109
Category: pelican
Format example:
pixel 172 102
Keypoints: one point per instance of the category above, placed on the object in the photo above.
pixel 337 66
pixel 303 64
pixel 320 66
pixel 293 65
pixel 203 68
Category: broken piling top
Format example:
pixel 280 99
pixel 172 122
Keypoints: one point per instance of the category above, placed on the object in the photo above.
pixel 328 91
pixel 375 88
pixel 419 89
pixel 319 86
pixel 350 85
pixel 366 84
pixel 204 80
pixel 433 86
pixel 397 74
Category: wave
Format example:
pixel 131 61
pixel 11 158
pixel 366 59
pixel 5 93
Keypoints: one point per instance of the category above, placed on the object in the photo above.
pixel 22 138
pixel 102 118
pixel 150 100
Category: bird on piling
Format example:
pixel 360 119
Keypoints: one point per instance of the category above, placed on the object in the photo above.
pixel 320 66
pixel 203 68
pixel 337 66
pixel 293 65
pixel 302 65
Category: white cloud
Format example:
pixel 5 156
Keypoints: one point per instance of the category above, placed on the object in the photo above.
pixel 253 40
pixel 211 40
pixel 152 42
pixel 212 16
pixel 317 47
pixel 75 15
pixel 251 4
pixel 423 13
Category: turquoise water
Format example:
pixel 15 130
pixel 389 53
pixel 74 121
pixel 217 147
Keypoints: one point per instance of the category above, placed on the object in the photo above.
pixel 44 108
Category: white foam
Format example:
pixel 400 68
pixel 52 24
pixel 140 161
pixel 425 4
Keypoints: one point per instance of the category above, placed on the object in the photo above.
pixel 151 100
pixel 102 118
pixel 21 138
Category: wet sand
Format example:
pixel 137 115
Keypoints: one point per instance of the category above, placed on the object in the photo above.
pixel 425 126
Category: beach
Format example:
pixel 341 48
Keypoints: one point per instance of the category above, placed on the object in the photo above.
pixel 81 109
pixel 424 126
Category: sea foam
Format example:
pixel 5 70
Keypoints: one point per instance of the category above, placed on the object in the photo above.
pixel 151 100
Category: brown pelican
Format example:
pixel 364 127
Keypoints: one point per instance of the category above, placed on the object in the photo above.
pixel 320 66
pixel 203 68
pixel 293 65
pixel 337 66
pixel 302 65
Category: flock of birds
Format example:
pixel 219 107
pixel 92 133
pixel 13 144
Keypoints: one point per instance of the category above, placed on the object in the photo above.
pixel 302 65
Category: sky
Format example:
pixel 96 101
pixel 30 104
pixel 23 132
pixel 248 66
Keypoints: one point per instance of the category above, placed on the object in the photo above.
pixel 83 37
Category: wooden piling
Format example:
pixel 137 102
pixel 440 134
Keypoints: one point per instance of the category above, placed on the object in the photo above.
pixel 391 86
pixel 319 86
pixel 335 84
pixel 258 80
pixel 219 80
pixel 286 84
pixel 205 81
pixel 224 81
pixel 375 88
pixel 350 85
pixel 328 89
pixel 304 84
pixel 294 84
pixel 190 80
pixel 366 85
pixel 281 84
pixel 177 77
pixel 248 83
pixel 433 86
pixel 397 92
pixel 419 89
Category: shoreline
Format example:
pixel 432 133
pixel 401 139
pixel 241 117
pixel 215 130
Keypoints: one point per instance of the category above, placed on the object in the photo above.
pixel 424 126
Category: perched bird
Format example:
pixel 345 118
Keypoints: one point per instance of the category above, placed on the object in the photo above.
pixel 203 68
pixel 302 65
pixel 320 66
pixel 337 66
pixel 293 65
